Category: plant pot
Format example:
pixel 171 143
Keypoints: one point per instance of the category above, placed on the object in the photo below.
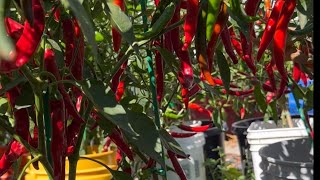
pixel 264 133
pixel 86 169
pixel 239 128
pixel 290 159
pixel 194 166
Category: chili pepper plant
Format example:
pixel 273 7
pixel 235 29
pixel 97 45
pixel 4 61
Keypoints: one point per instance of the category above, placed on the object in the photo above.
pixel 120 72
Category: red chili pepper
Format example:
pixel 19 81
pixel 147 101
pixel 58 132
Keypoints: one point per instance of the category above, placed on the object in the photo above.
pixel 217 29
pixel 167 44
pixel 270 74
pixel 13 28
pixel 185 97
pixel 279 42
pixel 194 90
pixel 181 135
pixel 74 128
pixel 267 87
pixel 117 85
pixel 185 68
pixel 304 78
pixel 226 40
pixel 220 82
pixel 116 137
pixel 29 40
pixel 195 129
pixel 151 163
pixel 156 2
pixel 56 14
pixel 238 93
pixel 176 165
pixel 15 149
pixel 13 152
pixel 159 77
pixel 58 138
pixel 235 42
pixel 200 109
pixel 242 113
pixel 270 28
pixel 269 97
pixel 116 36
pixel 190 24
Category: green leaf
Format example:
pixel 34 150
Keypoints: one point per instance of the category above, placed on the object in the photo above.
pixel 224 69
pixel 6 45
pixel 104 100
pixel 273 108
pixel 217 118
pixel 84 22
pixel 170 143
pixel 12 84
pixel 213 11
pixel 26 98
pixel 260 98
pixel 121 21
pixel 147 139
pixel 309 98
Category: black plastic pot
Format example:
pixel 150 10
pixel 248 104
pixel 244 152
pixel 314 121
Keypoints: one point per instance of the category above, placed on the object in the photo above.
pixel 239 128
pixel 214 137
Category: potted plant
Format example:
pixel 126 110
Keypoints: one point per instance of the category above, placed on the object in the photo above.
pixel 67 66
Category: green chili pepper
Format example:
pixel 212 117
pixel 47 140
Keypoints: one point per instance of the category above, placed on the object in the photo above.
pixel 159 24
pixel 213 11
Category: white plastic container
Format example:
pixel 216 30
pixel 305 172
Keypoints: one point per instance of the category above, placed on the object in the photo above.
pixel 291 159
pixel 263 133
pixel 194 166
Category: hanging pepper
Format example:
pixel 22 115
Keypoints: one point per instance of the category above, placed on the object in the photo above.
pixel 212 14
pixel 74 127
pixel 13 152
pixel 116 137
pixel 296 72
pixel 236 44
pixel 226 40
pixel 58 137
pixel 194 90
pixel 200 109
pixel 279 42
pixel 159 77
pixel 190 24
pixel 201 45
pixel 270 28
pixel 267 8
pixel 176 165
pixel 217 29
pixel 238 93
pixel 14 29
pixel 117 85
pixel 29 40
pixel 15 149
pixel 116 36
pixel 270 74
pixel 186 68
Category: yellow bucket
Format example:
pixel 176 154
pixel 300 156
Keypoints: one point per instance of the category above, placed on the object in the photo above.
pixel 86 169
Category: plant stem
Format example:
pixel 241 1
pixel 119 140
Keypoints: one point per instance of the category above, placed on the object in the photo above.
pixel 28 164
pixel 74 157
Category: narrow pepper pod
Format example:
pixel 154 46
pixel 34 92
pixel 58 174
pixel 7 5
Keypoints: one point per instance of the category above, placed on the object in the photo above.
pixel 14 29
pixel 159 77
pixel 226 40
pixel 185 68
pixel 176 165
pixel 217 29
pixel 29 40
pixel 13 152
pixel 190 24
pixel 116 137
pixel 58 137
pixel 279 42
pixel 201 45
pixel 270 28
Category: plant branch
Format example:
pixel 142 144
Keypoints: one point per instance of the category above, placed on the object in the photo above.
pixel 36 158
